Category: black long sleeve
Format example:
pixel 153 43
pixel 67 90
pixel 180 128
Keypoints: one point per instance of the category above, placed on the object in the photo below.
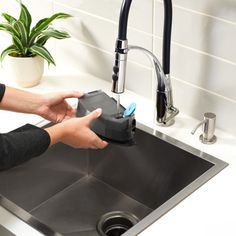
pixel 2 91
pixel 21 144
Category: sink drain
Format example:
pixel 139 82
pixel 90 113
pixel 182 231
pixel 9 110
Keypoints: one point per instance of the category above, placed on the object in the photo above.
pixel 116 223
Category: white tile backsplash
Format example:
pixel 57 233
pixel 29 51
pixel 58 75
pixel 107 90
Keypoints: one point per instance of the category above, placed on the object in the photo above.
pixel 203 53
pixel 224 9
pixel 195 102
pixel 200 32
pixel 101 33
pixel 201 70
pixel 110 9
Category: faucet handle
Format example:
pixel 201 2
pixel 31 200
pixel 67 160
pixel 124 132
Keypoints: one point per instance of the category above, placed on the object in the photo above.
pixel 208 123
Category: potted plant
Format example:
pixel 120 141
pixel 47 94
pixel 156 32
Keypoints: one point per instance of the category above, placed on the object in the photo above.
pixel 26 55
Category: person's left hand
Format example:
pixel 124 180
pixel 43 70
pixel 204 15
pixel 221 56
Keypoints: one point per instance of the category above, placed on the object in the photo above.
pixel 55 108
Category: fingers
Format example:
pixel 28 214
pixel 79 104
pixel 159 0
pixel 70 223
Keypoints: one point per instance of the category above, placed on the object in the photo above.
pixel 99 143
pixel 68 106
pixel 93 115
pixel 72 94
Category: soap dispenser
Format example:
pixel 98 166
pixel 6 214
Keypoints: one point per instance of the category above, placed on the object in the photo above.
pixel 208 126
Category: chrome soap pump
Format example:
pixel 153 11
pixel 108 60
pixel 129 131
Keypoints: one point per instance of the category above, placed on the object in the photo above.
pixel 209 122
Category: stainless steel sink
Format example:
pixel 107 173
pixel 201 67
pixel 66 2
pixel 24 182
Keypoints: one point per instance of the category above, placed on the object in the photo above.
pixel 66 191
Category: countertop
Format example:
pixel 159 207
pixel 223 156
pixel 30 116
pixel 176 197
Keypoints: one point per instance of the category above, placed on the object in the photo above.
pixel 210 210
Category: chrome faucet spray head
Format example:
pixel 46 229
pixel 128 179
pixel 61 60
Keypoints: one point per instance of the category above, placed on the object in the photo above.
pixel 121 50
pixel 119 68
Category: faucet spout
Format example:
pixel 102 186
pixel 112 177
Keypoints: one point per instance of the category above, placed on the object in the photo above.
pixel 164 104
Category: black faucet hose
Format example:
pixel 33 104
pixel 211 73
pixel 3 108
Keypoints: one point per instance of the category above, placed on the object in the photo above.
pixel 167 36
pixel 123 22
pixel 160 105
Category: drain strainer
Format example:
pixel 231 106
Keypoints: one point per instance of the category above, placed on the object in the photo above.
pixel 116 223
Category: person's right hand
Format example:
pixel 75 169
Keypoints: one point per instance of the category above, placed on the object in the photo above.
pixel 76 132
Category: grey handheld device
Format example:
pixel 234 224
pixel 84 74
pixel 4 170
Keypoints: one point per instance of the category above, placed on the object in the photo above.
pixel 110 126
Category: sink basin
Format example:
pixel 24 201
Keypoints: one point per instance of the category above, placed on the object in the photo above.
pixel 67 191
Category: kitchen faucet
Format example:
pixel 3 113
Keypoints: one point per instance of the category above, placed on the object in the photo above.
pixel 165 111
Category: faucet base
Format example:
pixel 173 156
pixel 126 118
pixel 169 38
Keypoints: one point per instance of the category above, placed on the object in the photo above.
pixel 166 124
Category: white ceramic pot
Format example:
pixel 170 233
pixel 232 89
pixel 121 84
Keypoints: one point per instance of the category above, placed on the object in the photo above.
pixel 25 71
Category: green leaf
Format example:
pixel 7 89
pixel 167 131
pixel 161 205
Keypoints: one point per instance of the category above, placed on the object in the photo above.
pixel 9 29
pixel 45 35
pixel 25 17
pixel 44 24
pixel 39 23
pixel 55 33
pixel 7 51
pixel 41 40
pixel 34 34
pixel 10 19
pixel 21 29
pixel 17 42
pixel 43 52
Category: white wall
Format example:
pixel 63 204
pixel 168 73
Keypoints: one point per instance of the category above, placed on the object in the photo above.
pixel 203 53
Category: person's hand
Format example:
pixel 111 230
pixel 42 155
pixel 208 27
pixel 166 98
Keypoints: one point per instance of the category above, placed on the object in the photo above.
pixel 55 108
pixel 76 132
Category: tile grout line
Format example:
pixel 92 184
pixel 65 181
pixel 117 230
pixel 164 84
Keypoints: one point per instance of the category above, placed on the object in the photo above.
pixel 203 89
pixel 201 13
pixel 109 53
pixel 153 48
pixel 84 12
pixel 199 51
pixel 100 17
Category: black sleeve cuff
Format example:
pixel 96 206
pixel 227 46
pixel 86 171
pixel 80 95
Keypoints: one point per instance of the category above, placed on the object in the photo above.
pixel 2 91
pixel 22 144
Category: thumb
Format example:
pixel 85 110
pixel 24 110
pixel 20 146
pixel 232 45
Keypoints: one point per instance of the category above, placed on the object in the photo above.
pixel 93 115
pixel 72 94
